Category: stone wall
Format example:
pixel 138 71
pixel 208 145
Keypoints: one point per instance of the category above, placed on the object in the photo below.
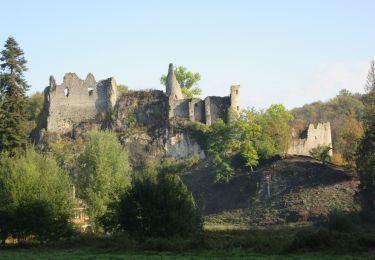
pixel 216 108
pixel 179 107
pixel 311 138
pixel 81 105
pixel 141 109
pixel 196 110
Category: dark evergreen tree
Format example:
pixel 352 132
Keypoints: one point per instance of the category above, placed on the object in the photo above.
pixel 366 152
pixel 158 205
pixel 13 88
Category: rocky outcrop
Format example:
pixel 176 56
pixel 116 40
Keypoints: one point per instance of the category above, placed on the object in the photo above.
pixel 142 109
pixel 180 146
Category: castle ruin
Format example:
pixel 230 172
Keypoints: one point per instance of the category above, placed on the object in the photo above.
pixel 311 138
pixel 195 109
pixel 78 101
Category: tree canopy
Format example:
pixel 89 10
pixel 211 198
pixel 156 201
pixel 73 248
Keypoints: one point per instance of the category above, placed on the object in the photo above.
pixel 158 204
pixel 35 196
pixel 102 173
pixel 254 135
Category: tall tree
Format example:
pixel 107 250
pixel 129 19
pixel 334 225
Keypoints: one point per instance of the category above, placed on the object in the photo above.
pixel 187 81
pixel 366 151
pixel 275 135
pixel 102 173
pixel 12 96
pixel 350 139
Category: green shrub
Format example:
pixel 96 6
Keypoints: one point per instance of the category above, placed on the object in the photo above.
pixel 340 221
pixel 309 240
pixel 321 153
pixel 158 205
pixel 367 241
pixel 170 165
pixel 35 197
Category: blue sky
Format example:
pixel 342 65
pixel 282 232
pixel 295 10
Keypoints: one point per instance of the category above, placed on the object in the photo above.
pixel 289 52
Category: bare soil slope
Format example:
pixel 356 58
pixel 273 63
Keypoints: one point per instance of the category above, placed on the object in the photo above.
pixel 281 190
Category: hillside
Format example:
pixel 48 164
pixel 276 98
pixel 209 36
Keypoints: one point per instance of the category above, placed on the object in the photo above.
pixel 281 190
pixel 345 113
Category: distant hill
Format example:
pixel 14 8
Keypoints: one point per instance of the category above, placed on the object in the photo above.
pixel 281 190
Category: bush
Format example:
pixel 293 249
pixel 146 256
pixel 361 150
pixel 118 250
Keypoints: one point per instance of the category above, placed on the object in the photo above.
pixel 340 221
pixel 158 205
pixel 309 240
pixel 35 197
pixel 321 153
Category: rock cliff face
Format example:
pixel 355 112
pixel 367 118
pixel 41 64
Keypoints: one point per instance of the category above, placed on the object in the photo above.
pixel 182 146
pixel 146 131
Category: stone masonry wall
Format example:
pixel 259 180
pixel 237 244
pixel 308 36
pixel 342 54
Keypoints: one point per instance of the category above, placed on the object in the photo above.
pixel 141 109
pixel 314 137
pixel 216 108
pixel 80 105
pixel 196 110
pixel 179 107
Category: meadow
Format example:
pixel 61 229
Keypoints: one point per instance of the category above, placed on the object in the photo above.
pixel 281 242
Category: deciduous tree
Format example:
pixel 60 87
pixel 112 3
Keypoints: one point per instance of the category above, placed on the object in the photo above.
pixel 102 173
pixel 35 196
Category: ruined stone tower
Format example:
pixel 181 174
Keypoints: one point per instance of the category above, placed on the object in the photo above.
pixel 76 101
pixel 312 138
pixel 235 102
pixel 173 88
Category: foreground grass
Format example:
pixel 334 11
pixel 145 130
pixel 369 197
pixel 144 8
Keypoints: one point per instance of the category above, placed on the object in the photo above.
pixel 86 253
pixel 303 242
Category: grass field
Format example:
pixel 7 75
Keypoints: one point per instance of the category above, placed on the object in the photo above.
pixel 82 253
pixel 297 242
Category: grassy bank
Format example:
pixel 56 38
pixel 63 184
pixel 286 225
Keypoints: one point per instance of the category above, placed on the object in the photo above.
pixel 276 243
